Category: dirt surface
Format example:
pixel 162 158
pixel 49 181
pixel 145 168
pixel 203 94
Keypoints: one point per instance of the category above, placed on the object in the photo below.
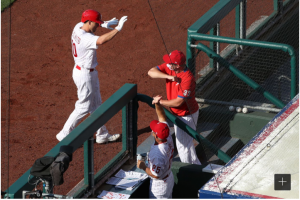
pixel 37 90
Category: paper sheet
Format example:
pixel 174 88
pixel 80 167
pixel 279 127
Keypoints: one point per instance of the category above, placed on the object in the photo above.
pixel 112 195
pixel 130 175
pixel 127 180
pixel 124 183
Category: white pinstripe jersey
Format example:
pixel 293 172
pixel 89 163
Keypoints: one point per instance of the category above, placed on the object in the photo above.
pixel 84 47
pixel 160 158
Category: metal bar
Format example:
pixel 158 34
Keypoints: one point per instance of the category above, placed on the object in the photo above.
pixel 190 56
pixel 241 75
pixel 237 20
pixel 130 127
pixel 212 46
pixel 208 101
pixel 293 76
pixel 270 45
pixel 215 46
pixel 278 6
pixel 90 161
pixel 109 174
pixel 134 125
pixel 205 24
pixel 124 129
pixel 218 45
pixel 243 19
pixel 213 16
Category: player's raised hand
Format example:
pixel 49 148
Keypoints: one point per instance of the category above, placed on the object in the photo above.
pixel 109 23
pixel 121 23
pixel 156 99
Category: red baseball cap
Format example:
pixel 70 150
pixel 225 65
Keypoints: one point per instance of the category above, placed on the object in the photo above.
pixel 91 15
pixel 176 57
pixel 161 129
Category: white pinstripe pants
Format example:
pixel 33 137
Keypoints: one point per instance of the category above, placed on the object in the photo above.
pixel 89 99
pixel 161 189
pixel 184 142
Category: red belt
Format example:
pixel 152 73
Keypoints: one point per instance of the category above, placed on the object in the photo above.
pixel 165 177
pixel 77 67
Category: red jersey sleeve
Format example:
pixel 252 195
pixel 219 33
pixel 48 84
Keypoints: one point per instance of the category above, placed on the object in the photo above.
pixel 163 68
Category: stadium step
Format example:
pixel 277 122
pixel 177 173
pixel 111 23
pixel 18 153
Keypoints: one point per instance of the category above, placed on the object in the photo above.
pixel 230 148
pixel 228 145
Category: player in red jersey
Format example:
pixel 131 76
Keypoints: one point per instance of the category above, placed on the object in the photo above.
pixel 180 85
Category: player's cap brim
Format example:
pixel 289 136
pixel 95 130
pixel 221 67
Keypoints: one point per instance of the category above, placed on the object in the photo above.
pixel 153 124
pixel 100 22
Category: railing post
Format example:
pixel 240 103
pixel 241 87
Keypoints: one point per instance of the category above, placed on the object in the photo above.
pixel 124 129
pixel 240 21
pixel 190 55
pixel 215 46
pixel 294 88
pixel 89 163
pixel 134 125
pixel 278 6
pixel 243 19
pixel 129 117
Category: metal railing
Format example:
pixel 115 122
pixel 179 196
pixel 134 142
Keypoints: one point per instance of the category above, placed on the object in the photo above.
pixel 210 22
pixel 82 134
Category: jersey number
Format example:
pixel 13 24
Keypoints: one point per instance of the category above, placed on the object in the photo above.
pixel 186 93
pixel 74 49
pixel 157 169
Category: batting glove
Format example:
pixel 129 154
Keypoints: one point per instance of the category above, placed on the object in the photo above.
pixel 121 23
pixel 109 23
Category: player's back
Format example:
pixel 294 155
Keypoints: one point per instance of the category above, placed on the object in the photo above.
pixel 84 47
pixel 162 155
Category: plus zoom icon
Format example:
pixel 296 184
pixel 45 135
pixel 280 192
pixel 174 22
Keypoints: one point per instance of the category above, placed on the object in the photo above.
pixel 282 182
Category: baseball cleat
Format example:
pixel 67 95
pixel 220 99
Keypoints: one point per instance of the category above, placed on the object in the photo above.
pixel 59 137
pixel 110 138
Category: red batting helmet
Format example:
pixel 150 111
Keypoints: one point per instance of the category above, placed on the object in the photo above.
pixel 91 15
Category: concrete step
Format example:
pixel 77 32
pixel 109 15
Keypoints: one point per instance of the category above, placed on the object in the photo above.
pixel 231 147
pixel 228 145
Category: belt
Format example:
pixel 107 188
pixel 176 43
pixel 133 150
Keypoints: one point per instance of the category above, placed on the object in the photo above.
pixel 79 68
pixel 165 177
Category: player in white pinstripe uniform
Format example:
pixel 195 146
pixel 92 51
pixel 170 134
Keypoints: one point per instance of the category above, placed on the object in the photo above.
pixel 160 157
pixel 84 44
pixel 180 86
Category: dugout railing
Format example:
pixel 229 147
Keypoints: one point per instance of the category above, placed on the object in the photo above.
pixel 207 29
pixel 125 99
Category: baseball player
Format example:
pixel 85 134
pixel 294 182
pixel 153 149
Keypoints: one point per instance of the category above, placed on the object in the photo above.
pixel 84 45
pixel 180 85
pixel 160 157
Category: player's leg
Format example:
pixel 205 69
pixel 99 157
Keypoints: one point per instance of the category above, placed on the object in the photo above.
pixel 70 124
pixel 162 189
pixel 170 185
pixel 184 142
pixel 83 83
pixel 102 134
